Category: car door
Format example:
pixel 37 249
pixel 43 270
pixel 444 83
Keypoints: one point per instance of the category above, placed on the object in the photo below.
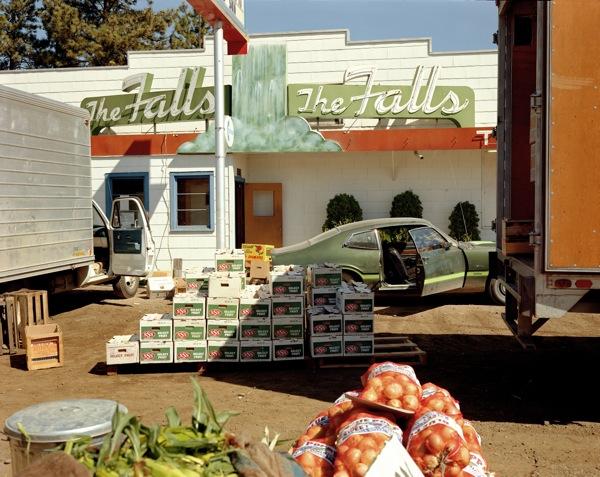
pixel 361 253
pixel 132 246
pixel 442 263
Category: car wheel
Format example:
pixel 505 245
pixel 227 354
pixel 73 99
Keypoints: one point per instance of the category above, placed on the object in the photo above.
pixel 496 291
pixel 350 277
pixel 126 287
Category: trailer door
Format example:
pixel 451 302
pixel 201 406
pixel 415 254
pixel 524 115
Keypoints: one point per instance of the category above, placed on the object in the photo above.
pixel 132 246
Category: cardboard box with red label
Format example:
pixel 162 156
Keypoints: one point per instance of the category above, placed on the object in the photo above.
pixel 156 326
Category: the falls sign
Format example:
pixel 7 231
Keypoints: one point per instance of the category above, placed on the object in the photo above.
pixel 190 101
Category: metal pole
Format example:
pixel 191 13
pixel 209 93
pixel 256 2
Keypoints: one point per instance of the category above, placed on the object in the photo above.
pixel 219 133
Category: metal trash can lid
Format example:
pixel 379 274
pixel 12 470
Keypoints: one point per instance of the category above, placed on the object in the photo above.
pixel 59 421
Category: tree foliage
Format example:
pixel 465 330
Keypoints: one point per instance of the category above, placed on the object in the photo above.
pixel 407 204
pixel 464 222
pixel 72 33
pixel 342 209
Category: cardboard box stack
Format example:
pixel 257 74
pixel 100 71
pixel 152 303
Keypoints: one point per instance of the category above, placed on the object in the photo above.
pixel 156 338
pixel 255 324
pixel 287 296
pixel 356 303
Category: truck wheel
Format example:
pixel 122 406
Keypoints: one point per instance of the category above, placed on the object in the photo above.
pixel 126 287
pixel 496 291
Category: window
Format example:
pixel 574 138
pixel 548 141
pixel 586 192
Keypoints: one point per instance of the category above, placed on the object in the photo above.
pixel 126 183
pixel 364 240
pixel 192 199
pixel 428 239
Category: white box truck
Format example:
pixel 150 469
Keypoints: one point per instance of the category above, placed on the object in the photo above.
pixel 52 235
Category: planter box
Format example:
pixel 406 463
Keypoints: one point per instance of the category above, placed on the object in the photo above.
pixel 156 352
pixel 355 302
pixel 325 325
pixel 359 345
pixel 255 308
pixel 230 261
pixel 323 296
pixel 358 324
pixel 188 329
pixel 286 284
pixel 287 307
pixel 222 308
pixel 252 329
pixel 324 346
pixel 189 305
pixel 322 276
pixel 123 349
pixel 289 328
pixel 255 351
pixel 228 350
pixel 190 351
pixel 222 329
pixel 156 327
pixel 286 350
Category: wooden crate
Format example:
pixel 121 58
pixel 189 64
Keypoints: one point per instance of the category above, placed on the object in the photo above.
pixel 10 336
pixel 515 236
pixel 44 346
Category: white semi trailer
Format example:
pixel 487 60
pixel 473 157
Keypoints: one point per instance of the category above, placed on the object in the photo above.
pixel 52 235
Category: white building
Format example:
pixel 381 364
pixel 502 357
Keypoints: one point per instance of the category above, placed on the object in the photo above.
pixel 287 190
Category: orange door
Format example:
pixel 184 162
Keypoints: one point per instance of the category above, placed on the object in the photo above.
pixel 263 214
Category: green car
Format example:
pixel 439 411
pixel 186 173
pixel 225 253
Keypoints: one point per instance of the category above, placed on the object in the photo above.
pixel 399 253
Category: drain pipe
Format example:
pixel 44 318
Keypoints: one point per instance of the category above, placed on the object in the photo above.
pixel 220 152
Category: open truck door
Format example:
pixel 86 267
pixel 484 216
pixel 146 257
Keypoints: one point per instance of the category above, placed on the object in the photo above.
pixel 132 247
pixel 443 263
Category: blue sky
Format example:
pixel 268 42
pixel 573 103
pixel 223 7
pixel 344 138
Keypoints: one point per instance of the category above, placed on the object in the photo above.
pixel 453 25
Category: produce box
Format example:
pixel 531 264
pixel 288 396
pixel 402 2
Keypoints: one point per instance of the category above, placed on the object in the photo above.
pixel 189 305
pixel 325 276
pixel 197 282
pixel 123 349
pixel 355 302
pixel 287 307
pixel 156 326
pixel 160 287
pixel 323 346
pixel 222 308
pixel 286 350
pixel 323 296
pixel 324 324
pixel 392 461
pixel 255 251
pixel 259 269
pixel 226 350
pixel 189 329
pixel 359 345
pixel 255 308
pixel 44 346
pixel 255 329
pixel 224 285
pixel 288 328
pixel 157 351
pixel 256 350
pixel 359 323
pixel 230 260
pixel 190 351
pixel 286 284
pixel 222 329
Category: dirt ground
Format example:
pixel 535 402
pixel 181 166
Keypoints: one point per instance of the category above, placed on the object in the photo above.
pixel 536 412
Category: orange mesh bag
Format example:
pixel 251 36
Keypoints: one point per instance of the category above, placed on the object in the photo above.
pixel 392 385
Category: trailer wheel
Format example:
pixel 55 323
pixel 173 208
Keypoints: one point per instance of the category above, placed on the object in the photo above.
pixel 126 287
pixel 496 291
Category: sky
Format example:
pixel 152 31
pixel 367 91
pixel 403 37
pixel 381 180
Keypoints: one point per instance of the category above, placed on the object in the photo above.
pixel 453 25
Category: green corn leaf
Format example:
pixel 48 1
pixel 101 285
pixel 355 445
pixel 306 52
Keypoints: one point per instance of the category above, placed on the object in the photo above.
pixel 173 418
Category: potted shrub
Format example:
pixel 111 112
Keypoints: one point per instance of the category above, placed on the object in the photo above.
pixel 342 209
pixel 406 204
pixel 464 222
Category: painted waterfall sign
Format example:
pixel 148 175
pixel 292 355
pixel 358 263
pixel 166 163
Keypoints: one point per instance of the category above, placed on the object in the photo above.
pixel 190 101
pixel 423 99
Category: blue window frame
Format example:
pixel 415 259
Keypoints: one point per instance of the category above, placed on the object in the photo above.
pixel 192 201
pixel 126 183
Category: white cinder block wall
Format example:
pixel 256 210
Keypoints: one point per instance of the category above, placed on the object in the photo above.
pixel 441 179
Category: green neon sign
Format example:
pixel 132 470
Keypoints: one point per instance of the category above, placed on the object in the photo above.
pixel 190 101
pixel 423 99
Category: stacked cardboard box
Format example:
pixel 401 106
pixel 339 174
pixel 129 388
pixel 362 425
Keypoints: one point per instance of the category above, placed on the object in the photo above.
pixel 255 324
pixel 287 290
pixel 189 325
pixel 156 338
pixel 357 305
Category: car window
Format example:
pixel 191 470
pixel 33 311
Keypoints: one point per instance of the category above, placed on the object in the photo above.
pixel 363 240
pixel 427 239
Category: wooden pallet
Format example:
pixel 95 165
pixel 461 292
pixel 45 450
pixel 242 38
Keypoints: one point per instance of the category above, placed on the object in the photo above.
pixel 388 347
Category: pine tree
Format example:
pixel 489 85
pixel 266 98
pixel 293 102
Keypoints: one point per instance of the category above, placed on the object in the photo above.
pixel 188 29
pixel 18 27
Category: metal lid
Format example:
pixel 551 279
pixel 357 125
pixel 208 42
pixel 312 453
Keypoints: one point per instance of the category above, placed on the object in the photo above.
pixel 58 421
